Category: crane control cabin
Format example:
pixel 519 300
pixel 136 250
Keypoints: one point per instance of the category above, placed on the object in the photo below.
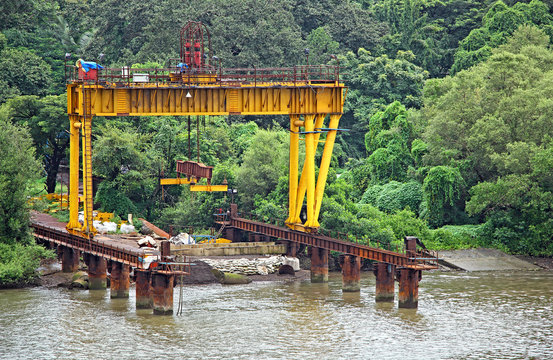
pixel 196 84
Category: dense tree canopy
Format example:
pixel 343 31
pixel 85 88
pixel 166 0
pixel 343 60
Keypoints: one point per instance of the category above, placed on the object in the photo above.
pixel 449 110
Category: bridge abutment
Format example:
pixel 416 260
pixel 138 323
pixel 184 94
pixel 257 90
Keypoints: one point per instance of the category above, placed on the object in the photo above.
pixel 319 265
pixel 351 273
pixel 69 259
pixel 162 291
pixel 97 272
pixel 384 282
pixel 143 289
pixel 120 280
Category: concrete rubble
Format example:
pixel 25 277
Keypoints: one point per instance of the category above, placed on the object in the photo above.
pixel 257 266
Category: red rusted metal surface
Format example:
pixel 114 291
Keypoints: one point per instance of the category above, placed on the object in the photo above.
pixel 155 229
pixel 97 272
pixel 411 260
pixel 69 259
pixel 384 282
pixel 162 288
pixel 408 295
pixel 319 265
pixel 192 169
pixel 120 280
pixel 351 273
pixel 144 298
pixel 195 46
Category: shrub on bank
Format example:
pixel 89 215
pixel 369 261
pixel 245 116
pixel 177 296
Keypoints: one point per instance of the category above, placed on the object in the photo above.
pixel 18 263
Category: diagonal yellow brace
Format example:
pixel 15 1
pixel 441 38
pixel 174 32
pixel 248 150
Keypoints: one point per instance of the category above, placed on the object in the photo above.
pixel 319 121
pixel 325 164
pixel 309 167
pixel 293 170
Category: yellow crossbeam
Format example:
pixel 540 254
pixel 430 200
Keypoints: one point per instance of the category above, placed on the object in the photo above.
pixel 208 188
pixel 177 181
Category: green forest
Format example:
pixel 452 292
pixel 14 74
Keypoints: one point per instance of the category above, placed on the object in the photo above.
pixel 449 106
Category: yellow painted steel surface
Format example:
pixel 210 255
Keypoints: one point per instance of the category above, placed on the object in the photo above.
pixel 209 188
pixel 308 105
pixel 175 181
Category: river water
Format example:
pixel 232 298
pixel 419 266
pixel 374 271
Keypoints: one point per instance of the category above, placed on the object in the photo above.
pixel 460 316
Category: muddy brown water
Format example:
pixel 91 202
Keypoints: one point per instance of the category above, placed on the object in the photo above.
pixel 502 315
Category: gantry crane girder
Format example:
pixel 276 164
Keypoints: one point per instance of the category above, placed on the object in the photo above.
pixel 307 104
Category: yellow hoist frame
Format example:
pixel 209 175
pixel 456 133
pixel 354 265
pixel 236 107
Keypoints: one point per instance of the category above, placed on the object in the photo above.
pixel 308 104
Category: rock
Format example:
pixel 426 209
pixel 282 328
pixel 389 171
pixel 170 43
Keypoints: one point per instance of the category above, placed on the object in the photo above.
pixel 235 279
pixel 218 274
pixel 286 270
pixel 79 284
pixel 80 275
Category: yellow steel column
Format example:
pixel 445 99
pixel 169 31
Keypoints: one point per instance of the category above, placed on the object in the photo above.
pixel 310 167
pixel 74 126
pixel 319 121
pixel 88 203
pixel 293 171
pixel 325 163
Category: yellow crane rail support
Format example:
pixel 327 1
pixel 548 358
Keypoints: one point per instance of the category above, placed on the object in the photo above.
pixel 308 104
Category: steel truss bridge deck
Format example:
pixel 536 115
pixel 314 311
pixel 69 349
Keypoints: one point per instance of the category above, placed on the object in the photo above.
pixel 416 260
pixel 48 229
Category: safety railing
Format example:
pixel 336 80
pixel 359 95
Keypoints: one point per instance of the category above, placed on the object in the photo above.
pixel 126 76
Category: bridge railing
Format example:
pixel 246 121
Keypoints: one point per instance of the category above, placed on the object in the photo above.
pixel 136 77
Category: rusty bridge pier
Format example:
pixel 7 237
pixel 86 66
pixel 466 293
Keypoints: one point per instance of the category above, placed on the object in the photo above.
pixel 351 273
pixel 384 282
pixel 144 298
pixel 120 280
pixel 69 259
pixel 409 278
pixel 97 272
pixel 319 265
pixel 162 291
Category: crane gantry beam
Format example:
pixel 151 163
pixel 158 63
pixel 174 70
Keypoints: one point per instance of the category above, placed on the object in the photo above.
pixel 193 86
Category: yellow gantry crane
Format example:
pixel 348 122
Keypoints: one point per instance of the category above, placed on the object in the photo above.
pixel 195 85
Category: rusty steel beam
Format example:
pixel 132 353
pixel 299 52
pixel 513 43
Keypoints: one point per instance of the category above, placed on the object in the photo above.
pixel 324 242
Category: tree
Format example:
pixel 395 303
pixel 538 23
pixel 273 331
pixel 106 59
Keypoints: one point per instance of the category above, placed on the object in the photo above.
pixel 499 23
pixel 47 121
pixel 443 189
pixel 18 167
pixel 265 161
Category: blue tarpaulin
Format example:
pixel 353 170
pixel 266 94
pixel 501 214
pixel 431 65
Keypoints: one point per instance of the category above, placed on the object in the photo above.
pixel 182 66
pixel 89 65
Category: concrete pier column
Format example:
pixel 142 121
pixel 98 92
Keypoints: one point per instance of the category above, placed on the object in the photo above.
pixel 143 289
pixel 69 259
pixel 120 280
pixel 97 272
pixel 384 282
pixel 351 273
pixel 409 288
pixel 162 288
pixel 319 265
